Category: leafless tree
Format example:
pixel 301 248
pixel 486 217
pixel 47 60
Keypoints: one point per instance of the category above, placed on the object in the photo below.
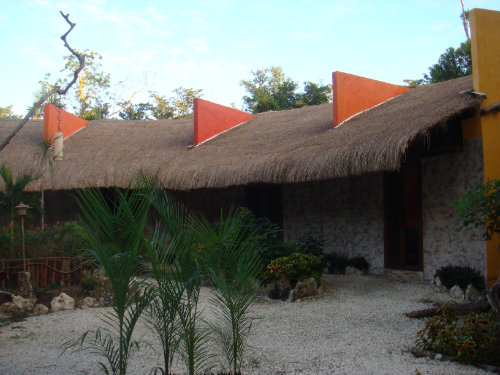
pixel 56 89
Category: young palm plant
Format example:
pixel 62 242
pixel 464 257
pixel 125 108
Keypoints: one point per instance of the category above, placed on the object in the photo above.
pixel 162 315
pixel 175 314
pixel 115 229
pixel 232 263
pixel 14 192
pixel 46 156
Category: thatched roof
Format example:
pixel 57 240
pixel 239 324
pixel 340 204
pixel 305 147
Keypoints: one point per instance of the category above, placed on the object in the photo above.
pixel 274 147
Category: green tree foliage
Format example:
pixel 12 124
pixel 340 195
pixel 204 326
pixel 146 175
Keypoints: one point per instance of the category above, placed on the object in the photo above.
pixel 45 87
pixel 91 88
pixel 454 63
pixel 480 207
pixel 6 112
pixel 314 94
pixel 271 90
pixel 178 106
pixel 138 111
pixel 161 107
pixel 88 99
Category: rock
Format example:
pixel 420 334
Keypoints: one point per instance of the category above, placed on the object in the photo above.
pixel 10 308
pixel 40 309
pixel 88 302
pixel 457 293
pixel 25 288
pixel 353 271
pixel 471 293
pixel 305 288
pixel 437 281
pixel 322 289
pixel 62 302
pixel 102 301
pixel 25 304
pixel 279 289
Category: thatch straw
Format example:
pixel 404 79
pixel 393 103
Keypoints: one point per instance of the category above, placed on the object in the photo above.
pixel 274 147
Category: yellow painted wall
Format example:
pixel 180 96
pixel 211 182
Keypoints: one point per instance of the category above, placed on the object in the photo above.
pixel 485 43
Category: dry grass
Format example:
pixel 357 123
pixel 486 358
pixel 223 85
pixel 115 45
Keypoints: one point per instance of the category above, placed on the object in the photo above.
pixel 274 147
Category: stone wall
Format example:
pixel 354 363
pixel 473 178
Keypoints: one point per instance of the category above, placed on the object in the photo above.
pixel 347 214
pixel 444 180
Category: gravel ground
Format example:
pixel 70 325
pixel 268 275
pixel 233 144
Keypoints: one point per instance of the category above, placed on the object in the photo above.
pixel 356 327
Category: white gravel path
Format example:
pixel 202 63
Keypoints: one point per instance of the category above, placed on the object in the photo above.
pixel 357 327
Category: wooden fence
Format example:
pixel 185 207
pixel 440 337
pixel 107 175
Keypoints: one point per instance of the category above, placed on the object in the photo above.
pixel 44 271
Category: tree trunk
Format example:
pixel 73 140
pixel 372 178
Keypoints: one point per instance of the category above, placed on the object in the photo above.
pixel 42 204
pixel 494 296
pixel 461 309
pixel 24 285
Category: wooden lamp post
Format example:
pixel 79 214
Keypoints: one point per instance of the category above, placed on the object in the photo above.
pixel 21 209
pixel 24 278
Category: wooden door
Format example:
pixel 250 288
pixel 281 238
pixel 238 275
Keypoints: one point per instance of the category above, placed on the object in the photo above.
pixel 403 218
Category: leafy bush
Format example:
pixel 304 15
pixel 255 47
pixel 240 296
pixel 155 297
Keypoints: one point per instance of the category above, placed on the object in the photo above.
pixel 61 239
pixel 309 244
pixel 462 276
pixel 296 267
pixel 337 263
pixel 89 283
pixel 269 237
pixel 360 263
pixel 474 338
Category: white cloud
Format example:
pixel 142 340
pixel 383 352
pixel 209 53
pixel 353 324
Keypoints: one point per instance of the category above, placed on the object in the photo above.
pixel 156 14
pixel 188 66
pixel 198 44
pixel 121 59
pixel 198 22
pixel 307 35
pixel 3 19
pixel 34 55
pixel 438 26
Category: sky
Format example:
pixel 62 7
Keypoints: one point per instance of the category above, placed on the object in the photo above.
pixel 214 44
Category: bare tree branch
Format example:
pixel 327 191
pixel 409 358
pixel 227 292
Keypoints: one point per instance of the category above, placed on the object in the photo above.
pixel 465 20
pixel 129 101
pixel 56 89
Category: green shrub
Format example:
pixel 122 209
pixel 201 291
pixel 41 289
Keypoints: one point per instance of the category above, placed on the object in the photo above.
pixel 89 283
pixel 309 244
pixel 296 267
pixel 337 263
pixel 474 338
pixel 61 239
pixel 360 263
pixel 462 276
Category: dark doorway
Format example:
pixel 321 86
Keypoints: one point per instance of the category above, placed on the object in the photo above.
pixel 403 218
pixel 266 200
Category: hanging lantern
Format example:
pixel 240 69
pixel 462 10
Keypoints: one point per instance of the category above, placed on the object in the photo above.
pixel 21 209
pixel 58 146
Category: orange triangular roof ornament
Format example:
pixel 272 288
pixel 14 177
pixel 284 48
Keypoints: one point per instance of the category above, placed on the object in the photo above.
pixel 57 120
pixel 353 94
pixel 211 119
